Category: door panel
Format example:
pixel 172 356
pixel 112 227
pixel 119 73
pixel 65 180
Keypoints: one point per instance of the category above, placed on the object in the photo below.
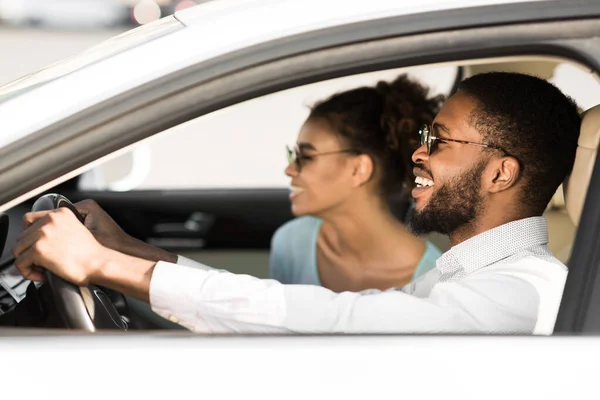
pixel 229 229
pixel 220 218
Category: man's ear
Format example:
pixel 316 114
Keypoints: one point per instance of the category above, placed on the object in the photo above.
pixel 505 174
pixel 364 168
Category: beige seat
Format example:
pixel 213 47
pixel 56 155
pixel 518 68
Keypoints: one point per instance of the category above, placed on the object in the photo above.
pixel 574 303
pixel 564 212
pixel 561 230
pixel 579 181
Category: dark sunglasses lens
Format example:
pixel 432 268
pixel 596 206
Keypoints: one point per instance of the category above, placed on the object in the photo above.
pixel 298 157
pixel 425 137
pixel 293 156
pixel 423 134
pixel 432 146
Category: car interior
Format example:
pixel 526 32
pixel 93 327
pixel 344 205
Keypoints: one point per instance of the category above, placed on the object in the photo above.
pixel 230 227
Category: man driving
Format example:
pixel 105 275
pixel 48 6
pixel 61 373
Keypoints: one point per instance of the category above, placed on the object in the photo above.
pixel 487 167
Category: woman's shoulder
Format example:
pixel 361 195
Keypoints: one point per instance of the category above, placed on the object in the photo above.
pixel 298 227
pixel 293 251
pixel 296 237
pixel 431 250
pixel 428 261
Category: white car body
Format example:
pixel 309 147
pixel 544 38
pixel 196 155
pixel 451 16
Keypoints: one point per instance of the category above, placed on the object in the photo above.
pixel 182 364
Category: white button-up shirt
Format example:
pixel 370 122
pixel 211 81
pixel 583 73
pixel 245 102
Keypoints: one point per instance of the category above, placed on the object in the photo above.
pixel 503 281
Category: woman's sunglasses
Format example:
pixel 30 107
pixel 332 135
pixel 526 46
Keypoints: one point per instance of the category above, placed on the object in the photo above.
pixel 296 156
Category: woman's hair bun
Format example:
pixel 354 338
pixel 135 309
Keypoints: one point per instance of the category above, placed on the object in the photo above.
pixel 405 107
pixel 382 122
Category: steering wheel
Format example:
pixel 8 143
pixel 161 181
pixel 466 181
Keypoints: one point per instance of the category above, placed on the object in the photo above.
pixel 88 308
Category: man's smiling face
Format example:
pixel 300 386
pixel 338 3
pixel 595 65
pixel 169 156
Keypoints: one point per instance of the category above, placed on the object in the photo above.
pixel 448 193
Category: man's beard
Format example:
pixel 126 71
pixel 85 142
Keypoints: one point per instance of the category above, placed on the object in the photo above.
pixel 453 206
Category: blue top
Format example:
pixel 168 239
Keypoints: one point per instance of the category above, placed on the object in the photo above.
pixel 293 257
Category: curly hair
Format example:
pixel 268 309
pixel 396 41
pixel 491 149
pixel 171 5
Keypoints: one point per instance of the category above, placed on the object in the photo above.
pixel 382 122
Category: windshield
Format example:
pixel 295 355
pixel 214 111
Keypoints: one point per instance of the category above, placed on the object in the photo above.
pixel 106 49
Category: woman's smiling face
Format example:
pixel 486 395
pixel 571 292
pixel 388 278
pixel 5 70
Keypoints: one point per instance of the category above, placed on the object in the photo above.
pixel 325 180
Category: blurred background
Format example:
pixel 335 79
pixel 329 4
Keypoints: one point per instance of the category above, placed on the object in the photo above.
pixel 35 33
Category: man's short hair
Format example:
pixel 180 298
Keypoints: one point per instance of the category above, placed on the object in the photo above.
pixel 532 120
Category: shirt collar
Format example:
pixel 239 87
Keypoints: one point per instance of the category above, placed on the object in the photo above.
pixel 496 244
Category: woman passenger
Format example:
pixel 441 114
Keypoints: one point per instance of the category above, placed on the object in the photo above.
pixel 353 154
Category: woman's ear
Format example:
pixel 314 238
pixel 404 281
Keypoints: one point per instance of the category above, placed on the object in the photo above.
pixel 364 169
pixel 505 173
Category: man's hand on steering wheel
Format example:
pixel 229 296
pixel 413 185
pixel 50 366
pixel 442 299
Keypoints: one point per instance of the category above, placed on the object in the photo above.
pixel 57 241
pixel 109 234
pixel 103 227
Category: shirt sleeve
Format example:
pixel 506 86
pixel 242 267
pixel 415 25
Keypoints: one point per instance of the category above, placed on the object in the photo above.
pixel 188 262
pixel 211 301
pixel 181 260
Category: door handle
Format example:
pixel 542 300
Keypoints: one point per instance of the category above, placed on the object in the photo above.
pixel 197 224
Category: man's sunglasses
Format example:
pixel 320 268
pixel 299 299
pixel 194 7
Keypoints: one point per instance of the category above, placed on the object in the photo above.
pixel 296 155
pixel 429 139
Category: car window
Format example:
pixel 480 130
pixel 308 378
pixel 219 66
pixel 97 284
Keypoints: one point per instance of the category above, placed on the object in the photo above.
pixel 241 146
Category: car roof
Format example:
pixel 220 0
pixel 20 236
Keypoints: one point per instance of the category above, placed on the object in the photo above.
pixel 271 14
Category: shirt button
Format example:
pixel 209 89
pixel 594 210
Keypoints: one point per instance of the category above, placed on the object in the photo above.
pixel 173 319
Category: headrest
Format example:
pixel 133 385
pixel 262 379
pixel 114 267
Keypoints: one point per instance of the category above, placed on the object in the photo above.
pixel 577 183
pixel 557 202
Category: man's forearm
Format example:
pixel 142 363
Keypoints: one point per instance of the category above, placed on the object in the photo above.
pixel 126 274
pixel 140 249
